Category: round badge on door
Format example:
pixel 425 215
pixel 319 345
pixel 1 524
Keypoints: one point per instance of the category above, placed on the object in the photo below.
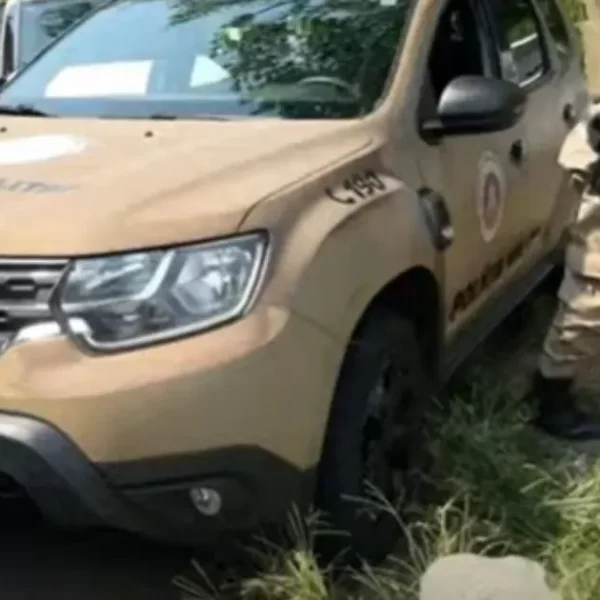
pixel 491 194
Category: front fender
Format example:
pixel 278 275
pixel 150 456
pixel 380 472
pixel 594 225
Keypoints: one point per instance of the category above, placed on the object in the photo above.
pixel 330 258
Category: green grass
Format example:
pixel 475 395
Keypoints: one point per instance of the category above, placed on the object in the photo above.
pixel 499 489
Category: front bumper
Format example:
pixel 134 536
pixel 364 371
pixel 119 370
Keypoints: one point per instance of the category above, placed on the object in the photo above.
pixel 256 488
pixel 120 440
pixel 264 381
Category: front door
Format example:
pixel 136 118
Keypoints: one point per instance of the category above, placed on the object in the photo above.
pixel 481 176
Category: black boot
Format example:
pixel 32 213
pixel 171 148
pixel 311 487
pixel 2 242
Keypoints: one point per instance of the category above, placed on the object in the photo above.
pixel 558 414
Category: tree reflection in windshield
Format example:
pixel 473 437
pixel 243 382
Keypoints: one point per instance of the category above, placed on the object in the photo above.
pixel 351 42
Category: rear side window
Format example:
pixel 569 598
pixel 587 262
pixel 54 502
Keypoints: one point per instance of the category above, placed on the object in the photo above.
pixel 557 27
pixel 521 47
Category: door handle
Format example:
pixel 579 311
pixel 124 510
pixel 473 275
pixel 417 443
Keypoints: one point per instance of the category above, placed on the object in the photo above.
pixel 517 152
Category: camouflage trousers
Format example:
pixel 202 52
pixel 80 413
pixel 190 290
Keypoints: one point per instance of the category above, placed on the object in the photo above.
pixel 572 344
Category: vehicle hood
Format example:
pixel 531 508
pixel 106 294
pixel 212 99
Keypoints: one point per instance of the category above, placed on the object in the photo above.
pixel 77 186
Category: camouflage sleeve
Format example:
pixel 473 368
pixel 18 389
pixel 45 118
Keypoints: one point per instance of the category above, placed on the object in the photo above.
pixel 593 129
pixel 576 155
pixel 579 152
pixel 594 178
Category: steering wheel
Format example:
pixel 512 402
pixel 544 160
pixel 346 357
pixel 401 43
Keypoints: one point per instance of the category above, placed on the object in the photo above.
pixel 334 81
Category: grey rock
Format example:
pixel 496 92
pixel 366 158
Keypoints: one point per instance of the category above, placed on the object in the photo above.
pixel 472 577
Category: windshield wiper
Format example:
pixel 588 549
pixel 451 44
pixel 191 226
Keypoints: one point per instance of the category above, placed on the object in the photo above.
pixel 22 110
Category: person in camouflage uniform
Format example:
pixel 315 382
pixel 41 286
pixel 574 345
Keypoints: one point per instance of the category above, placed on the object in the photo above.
pixel 573 340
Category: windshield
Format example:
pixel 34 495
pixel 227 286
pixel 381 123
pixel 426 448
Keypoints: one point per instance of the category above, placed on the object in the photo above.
pixel 177 58
pixel 41 22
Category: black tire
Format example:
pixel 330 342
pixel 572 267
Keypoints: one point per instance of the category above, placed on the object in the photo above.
pixel 382 338
pixel 16 507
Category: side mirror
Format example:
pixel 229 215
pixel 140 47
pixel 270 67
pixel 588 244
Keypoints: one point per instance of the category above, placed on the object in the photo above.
pixel 474 104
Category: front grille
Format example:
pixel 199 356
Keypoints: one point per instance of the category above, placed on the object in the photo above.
pixel 25 289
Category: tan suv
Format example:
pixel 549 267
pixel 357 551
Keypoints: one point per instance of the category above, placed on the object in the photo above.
pixel 239 241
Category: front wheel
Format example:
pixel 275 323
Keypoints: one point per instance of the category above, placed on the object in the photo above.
pixel 374 440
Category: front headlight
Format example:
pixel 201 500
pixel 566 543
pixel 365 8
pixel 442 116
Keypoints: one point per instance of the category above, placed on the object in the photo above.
pixel 128 300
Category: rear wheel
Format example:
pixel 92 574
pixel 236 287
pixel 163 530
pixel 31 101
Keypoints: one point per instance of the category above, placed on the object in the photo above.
pixel 374 439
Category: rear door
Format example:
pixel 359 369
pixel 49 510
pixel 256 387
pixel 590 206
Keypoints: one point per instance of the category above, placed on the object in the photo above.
pixel 525 55
pixel 572 96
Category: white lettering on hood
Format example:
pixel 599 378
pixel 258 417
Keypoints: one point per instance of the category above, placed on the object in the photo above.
pixel 39 148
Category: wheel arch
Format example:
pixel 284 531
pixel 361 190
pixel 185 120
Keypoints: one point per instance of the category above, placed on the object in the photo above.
pixel 415 294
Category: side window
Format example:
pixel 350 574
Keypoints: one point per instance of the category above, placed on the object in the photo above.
pixel 522 54
pixel 557 27
pixel 458 48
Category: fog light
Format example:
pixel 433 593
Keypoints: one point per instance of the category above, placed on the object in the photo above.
pixel 208 502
